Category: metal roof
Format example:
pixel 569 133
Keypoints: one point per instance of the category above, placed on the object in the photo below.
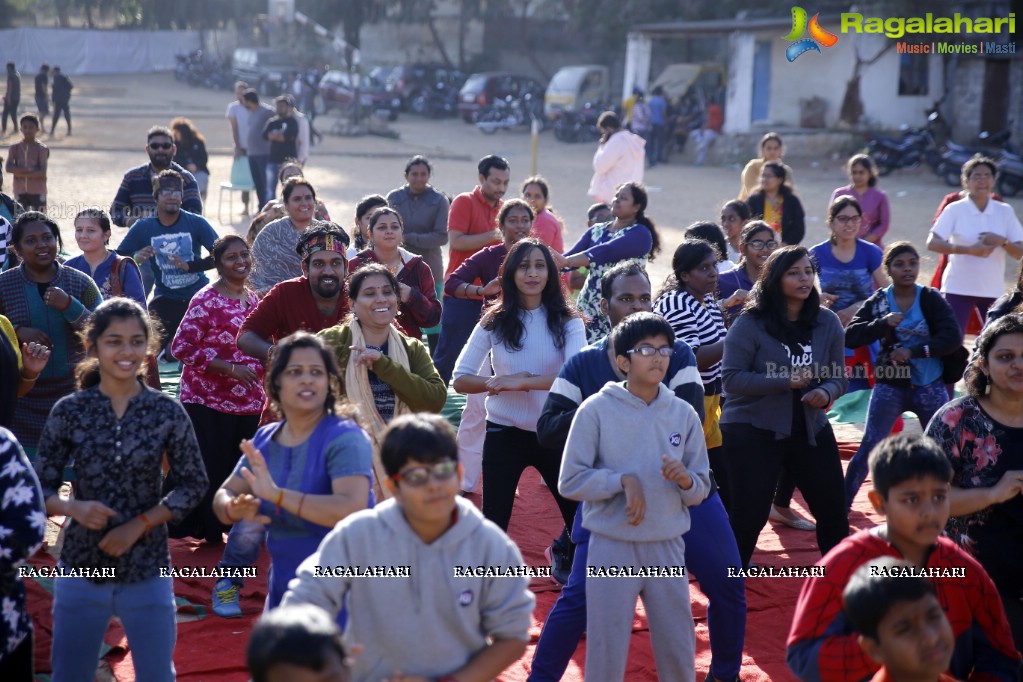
pixel 675 29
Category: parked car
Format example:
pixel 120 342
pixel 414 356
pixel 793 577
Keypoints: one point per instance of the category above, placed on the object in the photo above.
pixel 573 87
pixel 417 84
pixel 337 90
pixel 482 89
pixel 264 69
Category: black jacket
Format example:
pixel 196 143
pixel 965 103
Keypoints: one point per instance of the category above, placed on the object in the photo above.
pixel 868 326
pixel 793 225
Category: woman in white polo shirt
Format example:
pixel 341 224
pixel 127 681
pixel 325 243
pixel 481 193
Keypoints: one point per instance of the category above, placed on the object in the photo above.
pixel 976 232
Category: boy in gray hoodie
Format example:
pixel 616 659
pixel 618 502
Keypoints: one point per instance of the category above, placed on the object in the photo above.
pixel 453 579
pixel 637 459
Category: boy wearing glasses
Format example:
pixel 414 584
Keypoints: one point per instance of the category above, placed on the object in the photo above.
pixel 636 485
pixel 452 622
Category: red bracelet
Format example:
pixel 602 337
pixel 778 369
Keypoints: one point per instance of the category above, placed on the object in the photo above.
pixel 301 501
pixel 280 499
pixel 146 523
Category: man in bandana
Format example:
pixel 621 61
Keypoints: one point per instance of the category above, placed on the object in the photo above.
pixel 171 240
pixel 312 302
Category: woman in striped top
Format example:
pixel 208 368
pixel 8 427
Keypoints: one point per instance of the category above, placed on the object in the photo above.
pixel 528 334
pixel 688 303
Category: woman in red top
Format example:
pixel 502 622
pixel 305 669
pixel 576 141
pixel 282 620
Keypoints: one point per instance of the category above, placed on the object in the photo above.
pixel 418 306
pixel 221 387
pixel 546 225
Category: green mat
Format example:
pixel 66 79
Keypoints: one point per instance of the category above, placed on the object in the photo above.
pixel 852 408
pixel 170 378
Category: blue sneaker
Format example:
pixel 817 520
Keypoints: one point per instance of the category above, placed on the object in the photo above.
pixel 225 599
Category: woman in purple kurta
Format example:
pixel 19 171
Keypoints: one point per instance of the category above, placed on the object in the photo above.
pixel 873 201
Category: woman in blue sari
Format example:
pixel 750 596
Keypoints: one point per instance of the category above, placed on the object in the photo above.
pixel 304 474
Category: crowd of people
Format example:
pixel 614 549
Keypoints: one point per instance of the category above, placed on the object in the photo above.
pixel 669 421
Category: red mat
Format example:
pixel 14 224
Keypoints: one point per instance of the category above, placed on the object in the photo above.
pixel 213 649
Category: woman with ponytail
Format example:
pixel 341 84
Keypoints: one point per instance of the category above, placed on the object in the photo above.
pixel 631 236
pixel 118 431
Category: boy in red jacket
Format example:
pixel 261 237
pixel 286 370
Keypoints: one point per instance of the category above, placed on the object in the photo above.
pixel 911 489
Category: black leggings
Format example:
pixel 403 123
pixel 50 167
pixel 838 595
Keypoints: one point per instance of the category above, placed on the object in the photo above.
pixel 169 312
pixel 507 451
pixel 755 459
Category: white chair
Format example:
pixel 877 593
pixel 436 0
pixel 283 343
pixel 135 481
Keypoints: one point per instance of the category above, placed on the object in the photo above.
pixel 241 181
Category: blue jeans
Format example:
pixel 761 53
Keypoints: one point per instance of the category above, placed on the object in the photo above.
pixel 887 402
pixel 81 613
pixel 257 166
pixel 710 550
pixel 271 179
pixel 458 316
pixel 243 545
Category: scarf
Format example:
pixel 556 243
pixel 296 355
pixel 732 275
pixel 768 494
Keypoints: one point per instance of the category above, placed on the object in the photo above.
pixel 359 392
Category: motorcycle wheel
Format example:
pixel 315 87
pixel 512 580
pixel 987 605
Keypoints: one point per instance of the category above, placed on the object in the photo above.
pixel 417 103
pixel 953 177
pixel 489 121
pixel 564 131
pixel 1009 186
pixel 883 163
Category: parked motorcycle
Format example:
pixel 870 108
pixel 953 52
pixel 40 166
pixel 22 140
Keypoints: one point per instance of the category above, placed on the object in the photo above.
pixel 511 112
pixel 1010 174
pixel 915 146
pixel 579 126
pixel 955 155
pixel 439 101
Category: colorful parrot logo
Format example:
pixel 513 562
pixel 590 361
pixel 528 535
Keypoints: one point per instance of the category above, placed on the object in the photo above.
pixel 818 35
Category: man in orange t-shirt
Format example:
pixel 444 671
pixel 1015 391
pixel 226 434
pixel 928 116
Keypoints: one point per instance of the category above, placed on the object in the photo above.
pixel 472 225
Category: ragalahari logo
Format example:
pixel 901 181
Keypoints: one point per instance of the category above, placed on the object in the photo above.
pixel 819 37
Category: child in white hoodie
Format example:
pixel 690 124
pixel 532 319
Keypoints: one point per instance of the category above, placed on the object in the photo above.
pixel 637 459
pixel 408 571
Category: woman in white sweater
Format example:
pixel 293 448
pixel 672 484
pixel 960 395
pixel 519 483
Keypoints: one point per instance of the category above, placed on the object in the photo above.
pixel 528 334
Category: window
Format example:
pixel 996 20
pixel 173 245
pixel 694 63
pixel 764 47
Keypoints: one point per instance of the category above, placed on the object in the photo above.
pixel 913 74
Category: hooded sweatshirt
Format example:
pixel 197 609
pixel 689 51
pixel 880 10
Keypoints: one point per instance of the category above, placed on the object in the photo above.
pixel 621 159
pixel 614 433
pixel 431 622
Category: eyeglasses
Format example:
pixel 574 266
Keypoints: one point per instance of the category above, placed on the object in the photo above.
pixel 160 145
pixel 846 219
pixel 175 193
pixel 650 351
pixel 417 477
pixel 760 244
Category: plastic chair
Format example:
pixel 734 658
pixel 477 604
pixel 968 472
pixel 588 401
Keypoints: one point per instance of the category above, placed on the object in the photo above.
pixel 241 181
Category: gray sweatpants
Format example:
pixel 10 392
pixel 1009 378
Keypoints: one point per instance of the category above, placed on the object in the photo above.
pixel 611 603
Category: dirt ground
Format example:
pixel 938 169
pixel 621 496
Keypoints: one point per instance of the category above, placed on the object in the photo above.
pixel 112 114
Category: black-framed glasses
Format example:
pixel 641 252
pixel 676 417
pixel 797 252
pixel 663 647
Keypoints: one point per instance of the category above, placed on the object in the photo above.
pixel 155 146
pixel 418 476
pixel 760 244
pixel 846 219
pixel 650 351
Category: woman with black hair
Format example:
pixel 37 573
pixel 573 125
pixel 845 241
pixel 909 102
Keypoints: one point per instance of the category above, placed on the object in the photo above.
pixel 917 329
pixel 863 188
pixel 756 243
pixel 118 433
pixel 360 230
pixel 777 205
pixel 304 474
pixel 689 304
pixel 190 152
pixel 783 364
pixel 221 386
pixel 528 334
pixel 47 303
pixel 982 434
pixel 630 236
pixel 734 216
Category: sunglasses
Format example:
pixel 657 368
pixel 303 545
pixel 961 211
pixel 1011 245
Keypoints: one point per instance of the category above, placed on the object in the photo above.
pixel 417 477
pixel 160 145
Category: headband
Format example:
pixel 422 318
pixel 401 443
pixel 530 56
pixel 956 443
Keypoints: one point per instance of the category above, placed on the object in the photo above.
pixel 324 242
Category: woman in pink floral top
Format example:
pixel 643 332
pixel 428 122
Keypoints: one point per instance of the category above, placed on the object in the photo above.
pixel 982 434
pixel 221 387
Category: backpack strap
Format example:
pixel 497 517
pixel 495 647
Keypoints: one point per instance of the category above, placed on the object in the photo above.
pixel 117 274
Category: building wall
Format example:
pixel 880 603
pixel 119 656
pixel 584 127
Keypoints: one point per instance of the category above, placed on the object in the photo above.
pixel 826 75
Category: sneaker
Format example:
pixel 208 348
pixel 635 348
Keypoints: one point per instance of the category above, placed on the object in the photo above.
pixel 225 599
pixel 560 558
